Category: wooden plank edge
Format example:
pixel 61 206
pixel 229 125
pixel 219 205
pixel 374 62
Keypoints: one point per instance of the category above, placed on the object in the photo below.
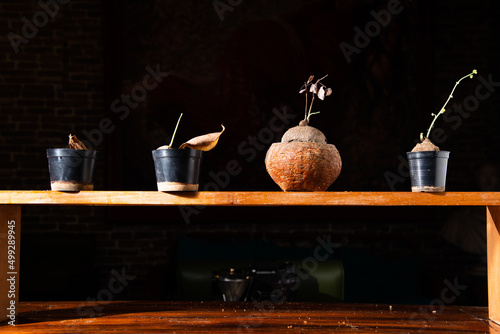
pixel 246 198
pixel 10 259
pixel 366 199
pixel 493 256
pixel 115 198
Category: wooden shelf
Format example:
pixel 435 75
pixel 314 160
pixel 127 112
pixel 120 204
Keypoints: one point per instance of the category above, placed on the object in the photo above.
pixel 11 203
pixel 250 317
pixel 227 198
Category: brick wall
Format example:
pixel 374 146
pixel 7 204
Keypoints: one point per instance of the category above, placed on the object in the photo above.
pixel 51 87
pixel 464 40
pixel 54 85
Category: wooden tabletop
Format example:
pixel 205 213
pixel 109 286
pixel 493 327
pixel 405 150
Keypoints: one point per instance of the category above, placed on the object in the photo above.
pixel 219 317
pixel 248 198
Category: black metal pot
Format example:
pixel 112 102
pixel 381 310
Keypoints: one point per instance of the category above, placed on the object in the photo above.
pixel 233 284
pixel 70 169
pixel 428 170
pixel 177 169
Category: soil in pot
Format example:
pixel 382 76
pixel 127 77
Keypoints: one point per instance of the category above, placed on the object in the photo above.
pixel 71 169
pixel 177 169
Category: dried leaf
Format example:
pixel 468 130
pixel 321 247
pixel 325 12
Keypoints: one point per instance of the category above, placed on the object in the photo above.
pixel 204 142
pixel 314 88
pixel 329 91
pixel 311 78
pixel 302 90
pixel 321 93
pixel 76 143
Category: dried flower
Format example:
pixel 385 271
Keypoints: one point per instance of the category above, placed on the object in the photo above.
pixel 317 89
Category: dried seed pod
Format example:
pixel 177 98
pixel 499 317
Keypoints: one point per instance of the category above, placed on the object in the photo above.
pixel 76 143
pixel 314 88
pixel 204 142
pixel 321 93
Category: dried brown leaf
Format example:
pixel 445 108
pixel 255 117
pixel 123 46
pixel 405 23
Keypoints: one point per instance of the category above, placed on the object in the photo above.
pixel 329 92
pixel 204 142
pixel 76 143
pixel 311 78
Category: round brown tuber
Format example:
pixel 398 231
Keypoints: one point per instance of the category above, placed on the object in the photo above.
pixel 424 146
pixel 304 133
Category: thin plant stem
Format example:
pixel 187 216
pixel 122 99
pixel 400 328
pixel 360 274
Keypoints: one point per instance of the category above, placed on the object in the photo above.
pixel 310 108
pixel 313 113
pixel 321 78
pixel 305 113
pixel 312 101
pixel 175 131
pixel 448 100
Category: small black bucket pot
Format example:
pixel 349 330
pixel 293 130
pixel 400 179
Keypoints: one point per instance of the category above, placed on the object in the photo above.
pixel 70 169
pixel 428 170
pixel 177 169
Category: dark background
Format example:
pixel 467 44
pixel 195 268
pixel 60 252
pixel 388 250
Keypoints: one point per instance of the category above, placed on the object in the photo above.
pixel 236 69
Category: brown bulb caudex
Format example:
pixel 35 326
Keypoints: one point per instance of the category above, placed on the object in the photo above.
pixel 425 146
pixel 304 133
pixel 303 161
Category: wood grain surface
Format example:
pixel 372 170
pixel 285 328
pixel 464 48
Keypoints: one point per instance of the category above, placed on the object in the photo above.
pixel 223 198
pixel 493 244
pixel 219 317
